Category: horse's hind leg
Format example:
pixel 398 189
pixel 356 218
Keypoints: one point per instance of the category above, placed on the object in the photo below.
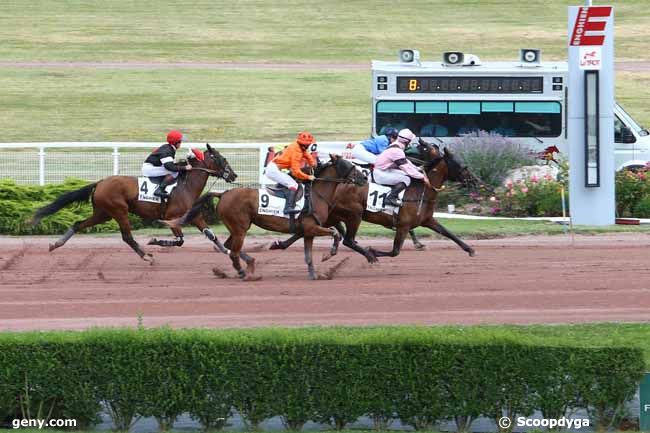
pixel 234 243
pixel 98 217
pixel 418 245
pixel 122 219
pixel 283 245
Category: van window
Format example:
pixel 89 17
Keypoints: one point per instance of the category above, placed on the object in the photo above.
pixel 618 132
pixel 456 118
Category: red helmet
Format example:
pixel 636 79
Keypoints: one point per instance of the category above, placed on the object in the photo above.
pixel 305 138
pixel 174 138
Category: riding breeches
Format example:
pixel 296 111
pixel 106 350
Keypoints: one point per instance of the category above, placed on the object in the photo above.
pixel 274 173
pixel 391 177
pixel 150 170
pixel 360 152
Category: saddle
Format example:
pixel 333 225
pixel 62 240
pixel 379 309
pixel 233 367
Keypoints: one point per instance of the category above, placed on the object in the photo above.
pixel 282 191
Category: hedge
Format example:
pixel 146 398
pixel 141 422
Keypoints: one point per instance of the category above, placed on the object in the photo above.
pixel 19 202
pixel 419 375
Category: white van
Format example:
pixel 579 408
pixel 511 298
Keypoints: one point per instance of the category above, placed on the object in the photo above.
pixel 525 102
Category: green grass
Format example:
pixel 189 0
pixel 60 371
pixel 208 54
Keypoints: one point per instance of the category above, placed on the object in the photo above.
pixel 140 105
pixel 137 105
pixel 296 30
pixel 466 229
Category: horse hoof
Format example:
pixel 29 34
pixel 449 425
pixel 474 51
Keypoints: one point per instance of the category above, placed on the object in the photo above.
pixel 420 247
pixel 275 246
pixel 153 241
pixel 326 257
pixel 52 247
pixel 250 277
pixel 148 258
pixel 471 252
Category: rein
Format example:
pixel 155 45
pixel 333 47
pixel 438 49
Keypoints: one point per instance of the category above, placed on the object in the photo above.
pixel 206 170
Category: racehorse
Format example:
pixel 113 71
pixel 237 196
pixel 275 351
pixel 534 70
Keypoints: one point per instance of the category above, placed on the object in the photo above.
pixel 116 196
pixel 238 209
pixel 419 204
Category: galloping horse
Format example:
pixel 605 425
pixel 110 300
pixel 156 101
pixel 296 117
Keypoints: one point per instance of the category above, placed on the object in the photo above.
pixel 238 209
pixel 117 196
pixel 419 204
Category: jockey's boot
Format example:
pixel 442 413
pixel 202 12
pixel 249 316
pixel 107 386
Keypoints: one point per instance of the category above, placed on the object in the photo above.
pixel 392 199
pixel 290 204
pixel 160 191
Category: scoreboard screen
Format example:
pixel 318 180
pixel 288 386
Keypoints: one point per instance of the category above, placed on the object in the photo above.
pixel 470 84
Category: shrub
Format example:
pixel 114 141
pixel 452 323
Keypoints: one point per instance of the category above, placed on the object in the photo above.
pixel 631 188
pixel 491 156
pixel 422 375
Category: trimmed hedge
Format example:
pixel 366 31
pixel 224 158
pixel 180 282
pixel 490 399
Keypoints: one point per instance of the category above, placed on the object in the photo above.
pixel 419 375
pixel 19 202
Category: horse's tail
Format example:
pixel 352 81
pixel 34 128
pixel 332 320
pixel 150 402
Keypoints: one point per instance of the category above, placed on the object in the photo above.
pixel 197 208
pixel 82 194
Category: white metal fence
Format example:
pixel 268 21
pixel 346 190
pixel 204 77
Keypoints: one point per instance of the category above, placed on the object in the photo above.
pixel 43 163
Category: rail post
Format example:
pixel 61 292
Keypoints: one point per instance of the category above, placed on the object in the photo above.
pixel 41 166
pixel 116 161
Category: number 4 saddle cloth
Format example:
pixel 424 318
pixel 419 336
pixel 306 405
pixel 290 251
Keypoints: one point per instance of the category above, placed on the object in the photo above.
pixel 147 186
pixel 272 199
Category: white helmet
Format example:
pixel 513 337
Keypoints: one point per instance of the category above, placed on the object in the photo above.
pixel 405 136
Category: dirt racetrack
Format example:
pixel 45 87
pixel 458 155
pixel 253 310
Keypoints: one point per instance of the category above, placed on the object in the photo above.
pixel 100 281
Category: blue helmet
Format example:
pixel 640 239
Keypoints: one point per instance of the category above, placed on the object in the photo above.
pixel 391 132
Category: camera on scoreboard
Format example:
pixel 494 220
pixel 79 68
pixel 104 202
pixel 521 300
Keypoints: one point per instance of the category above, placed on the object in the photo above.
pixel 453 58
pixel 409 56
pixel 530 56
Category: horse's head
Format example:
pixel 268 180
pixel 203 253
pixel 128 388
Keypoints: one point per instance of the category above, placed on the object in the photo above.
pixel 340 168
pixel 218 164
pixel 443 165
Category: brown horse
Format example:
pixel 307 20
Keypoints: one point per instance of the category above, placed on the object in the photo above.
pixel 419 204
pixel 117 196
pixel 238 209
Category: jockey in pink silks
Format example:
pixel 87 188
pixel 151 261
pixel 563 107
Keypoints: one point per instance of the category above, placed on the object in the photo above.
pixel 392 168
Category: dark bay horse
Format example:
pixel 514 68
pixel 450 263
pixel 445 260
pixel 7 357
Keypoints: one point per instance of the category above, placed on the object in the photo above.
pixel 419 204
pixel 117 196
pixel 238 209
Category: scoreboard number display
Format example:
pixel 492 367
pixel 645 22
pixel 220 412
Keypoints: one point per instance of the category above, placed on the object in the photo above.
pixel 470 84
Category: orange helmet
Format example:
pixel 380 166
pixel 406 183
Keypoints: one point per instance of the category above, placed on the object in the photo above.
pixel 305 138
pixel 174 138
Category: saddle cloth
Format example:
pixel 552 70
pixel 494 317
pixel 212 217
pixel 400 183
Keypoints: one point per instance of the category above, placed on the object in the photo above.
pixel 377 196
pixel 146 187
pixel 271 200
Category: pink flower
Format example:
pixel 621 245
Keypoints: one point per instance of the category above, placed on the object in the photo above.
pixel 548 177
pixel 509 184
pixel 495 210
pixel 493 199
pixel 641 175
pixel 524 190
pixel 534 179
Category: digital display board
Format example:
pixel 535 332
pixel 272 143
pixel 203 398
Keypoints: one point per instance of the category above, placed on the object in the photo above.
pixel 470 84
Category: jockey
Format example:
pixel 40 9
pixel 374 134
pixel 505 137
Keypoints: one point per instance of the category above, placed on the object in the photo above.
pixel 368 150
pixel 392 168
pixel 161 163
pixel 291 158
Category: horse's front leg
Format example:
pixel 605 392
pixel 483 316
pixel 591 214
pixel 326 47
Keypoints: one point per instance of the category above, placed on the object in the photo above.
pixel 177 232
pixel 398 241
pixel 418 245
pixel 283 245
pixel 438 228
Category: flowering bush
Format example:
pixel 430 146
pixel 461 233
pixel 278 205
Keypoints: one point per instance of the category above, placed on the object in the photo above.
pixel 632 187
pixel 530 197
pixel 491 156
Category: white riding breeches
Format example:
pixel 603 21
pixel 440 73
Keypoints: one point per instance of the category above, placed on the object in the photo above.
pixel 274 173
pixel 149 170
pixel 391 177
pixel 360 152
